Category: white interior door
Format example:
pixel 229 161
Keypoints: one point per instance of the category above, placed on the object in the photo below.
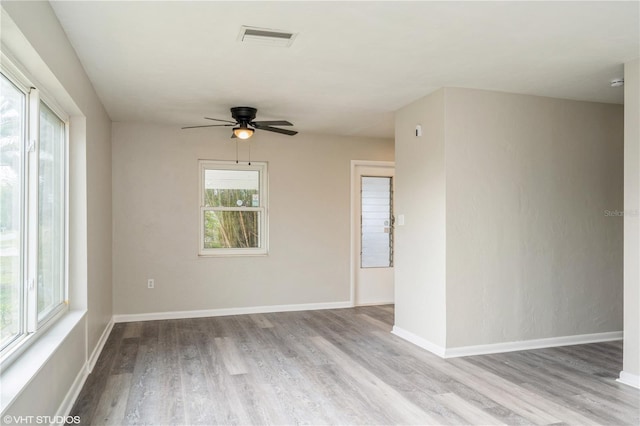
pixel 372 233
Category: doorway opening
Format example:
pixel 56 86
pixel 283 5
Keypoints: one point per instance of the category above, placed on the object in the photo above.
pixel 372 274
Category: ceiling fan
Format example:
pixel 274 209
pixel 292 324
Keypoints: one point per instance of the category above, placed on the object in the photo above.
pixel 245 125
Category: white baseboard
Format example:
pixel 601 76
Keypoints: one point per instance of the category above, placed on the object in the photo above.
pixel 91 362
pixel 229 311
pixel 495 348
pixel 629 379
pixel 418 341
pixel 375 303
pixel 525 345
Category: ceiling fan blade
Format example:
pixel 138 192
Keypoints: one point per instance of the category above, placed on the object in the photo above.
pixel 217 119
pixel 209 125
pixel 271 123
pixel 276 130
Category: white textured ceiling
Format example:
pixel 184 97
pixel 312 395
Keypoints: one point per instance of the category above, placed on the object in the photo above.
pixel 353 63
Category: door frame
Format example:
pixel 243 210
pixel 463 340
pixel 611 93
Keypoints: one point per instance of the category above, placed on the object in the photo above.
pixel 355 222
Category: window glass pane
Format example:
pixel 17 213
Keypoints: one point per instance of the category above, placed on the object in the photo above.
pixel 231 229
pixel 12 124
pixel 376 237
pixel 231 188
pixel 50 212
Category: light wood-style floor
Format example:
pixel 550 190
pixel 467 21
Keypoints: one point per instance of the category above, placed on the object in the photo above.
pixel 340 367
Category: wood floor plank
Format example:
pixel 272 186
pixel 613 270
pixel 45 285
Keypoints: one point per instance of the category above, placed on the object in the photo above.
pixel 230 355
pixel 95 384
pixel 512 397
pixel 436 382
pixel 156 396
pixel 258 402
pixel 132 329
pixel 149 333
pixel 375 322
pixel 467 411
pixel 534 400
pixel 113 401
pixel 608 388
pixel 387 308
pixel 522 407
pixel 402 409
pixel 606 410
pixel 126 356
pixel 372 354
pixel 225 403
pixel 537 377
pixel 261 321
pixel 339 367
pixel 274 362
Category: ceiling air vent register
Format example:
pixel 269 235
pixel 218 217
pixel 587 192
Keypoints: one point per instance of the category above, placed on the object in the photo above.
pixel 266 36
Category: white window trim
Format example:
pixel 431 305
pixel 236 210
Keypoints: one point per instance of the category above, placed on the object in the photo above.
pixel 262 168
pixel 32 328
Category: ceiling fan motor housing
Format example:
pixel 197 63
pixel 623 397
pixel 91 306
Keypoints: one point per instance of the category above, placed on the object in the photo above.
pixel 244 123
pixel 243 115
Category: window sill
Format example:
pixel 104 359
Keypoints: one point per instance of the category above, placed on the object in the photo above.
pixel 21 371
pixel 232 254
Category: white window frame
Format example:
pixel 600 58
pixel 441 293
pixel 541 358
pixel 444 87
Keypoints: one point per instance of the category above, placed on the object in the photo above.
pixel 263 231
pixel 31 327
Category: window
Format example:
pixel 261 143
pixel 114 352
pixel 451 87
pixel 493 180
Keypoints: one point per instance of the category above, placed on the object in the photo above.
pixel 376 231
pixel 32 211
pixel 233 208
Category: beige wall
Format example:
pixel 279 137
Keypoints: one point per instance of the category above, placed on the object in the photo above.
pixel 419 253
pixel 530 251
pixel 156 211
pixel 32 33
pixel 631 366
pixel 506 236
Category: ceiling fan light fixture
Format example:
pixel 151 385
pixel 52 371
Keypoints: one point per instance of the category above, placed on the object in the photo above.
pixel 245 124
pixel 243 132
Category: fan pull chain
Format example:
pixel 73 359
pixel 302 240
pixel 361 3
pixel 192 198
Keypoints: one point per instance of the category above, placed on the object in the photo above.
pixel 249 153
pixel 236 151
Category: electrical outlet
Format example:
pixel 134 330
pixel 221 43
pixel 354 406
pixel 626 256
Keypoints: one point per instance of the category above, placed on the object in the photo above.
pixel 151 283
